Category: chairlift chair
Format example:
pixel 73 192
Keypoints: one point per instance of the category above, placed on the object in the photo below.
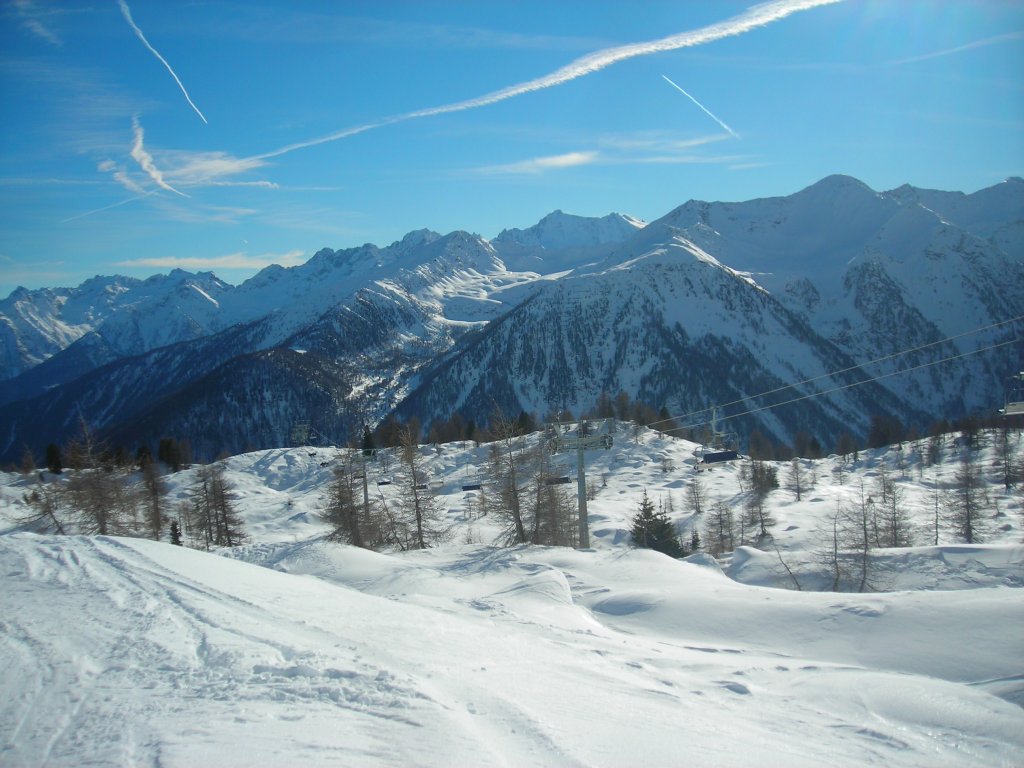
pixel 716 457
pixel 721 445
pixel 557 480
pixel 1014 403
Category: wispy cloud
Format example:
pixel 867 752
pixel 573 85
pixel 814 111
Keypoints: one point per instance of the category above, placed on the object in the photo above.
pixel 659 141
pixel 205 214
pixel 961 48
pixel 238 260
pixel 178 168
pixel 31 17
pixel 753 18
pixel 145 160
pixel 263 184
pixel 684 159
pixel 251 22
pixel 46 181
pixel 706 110
pixel 92 106
pixel 188 168
pixel 126 12
pixel 541 164
pixel 751 165
pixel 647 148
pixel 120 176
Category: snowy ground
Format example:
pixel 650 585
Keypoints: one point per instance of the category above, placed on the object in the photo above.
pixel 292 651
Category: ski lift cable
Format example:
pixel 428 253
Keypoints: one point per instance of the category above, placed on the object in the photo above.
pixel 854 384
pixel 846 370
pixel 851 368
pixel 877 378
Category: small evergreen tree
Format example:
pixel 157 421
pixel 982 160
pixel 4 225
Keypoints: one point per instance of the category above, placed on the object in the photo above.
pixel 169 451
pixel 884 430
pixel 54 459
pixel 354 517
pixel 846 445
pixel 525 423
pixel 652 529
pixel 604 408
pixel 175 533
pixel 667 424
pixel 369 446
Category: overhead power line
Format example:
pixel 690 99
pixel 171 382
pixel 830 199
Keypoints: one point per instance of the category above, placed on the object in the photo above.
pixel 847 370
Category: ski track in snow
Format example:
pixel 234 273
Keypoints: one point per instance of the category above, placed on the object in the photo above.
pixel 164 638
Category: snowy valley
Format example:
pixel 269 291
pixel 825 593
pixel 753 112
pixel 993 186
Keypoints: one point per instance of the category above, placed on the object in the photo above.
pixel 294 650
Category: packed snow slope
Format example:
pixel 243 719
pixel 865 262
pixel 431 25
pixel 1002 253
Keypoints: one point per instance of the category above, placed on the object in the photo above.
pixel 295 651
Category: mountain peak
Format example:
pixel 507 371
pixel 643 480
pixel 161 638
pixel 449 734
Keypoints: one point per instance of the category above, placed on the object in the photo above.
pixel 560 230
pixel 838 184
pixel 416 238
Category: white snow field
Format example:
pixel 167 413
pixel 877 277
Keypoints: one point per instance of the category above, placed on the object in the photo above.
pixel 292 651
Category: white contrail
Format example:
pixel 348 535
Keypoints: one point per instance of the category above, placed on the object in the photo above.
pixel 960 48
pixel 128 17
pixel 706 110
pixel 756 16
pixel 145 160
pixel 108 207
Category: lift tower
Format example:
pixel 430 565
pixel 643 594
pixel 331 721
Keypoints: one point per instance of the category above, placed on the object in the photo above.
pixel 579 437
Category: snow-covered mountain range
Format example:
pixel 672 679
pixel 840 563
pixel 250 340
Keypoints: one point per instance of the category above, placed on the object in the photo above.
pixel 713 303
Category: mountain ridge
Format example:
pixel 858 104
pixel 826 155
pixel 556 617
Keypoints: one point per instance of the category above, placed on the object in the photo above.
pixel 399 319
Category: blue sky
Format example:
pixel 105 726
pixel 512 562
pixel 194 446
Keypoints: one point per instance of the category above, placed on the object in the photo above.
pixel 139 136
